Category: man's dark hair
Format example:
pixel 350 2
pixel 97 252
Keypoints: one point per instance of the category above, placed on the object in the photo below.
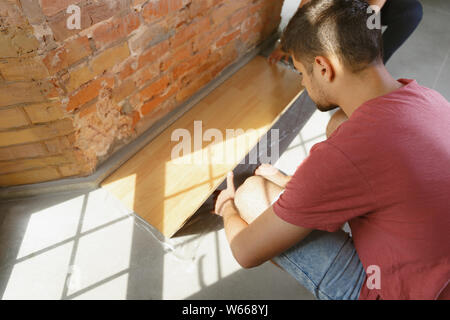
pixel 339 27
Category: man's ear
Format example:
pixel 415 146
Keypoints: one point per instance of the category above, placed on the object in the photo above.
pixel 325 68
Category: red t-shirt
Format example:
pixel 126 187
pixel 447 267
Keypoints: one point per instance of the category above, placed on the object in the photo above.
pixel 386 171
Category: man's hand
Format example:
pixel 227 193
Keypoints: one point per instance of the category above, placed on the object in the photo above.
pixel 271 173
pixel 303 2
pixel 225 200
pixel 379 3
pixel 277 55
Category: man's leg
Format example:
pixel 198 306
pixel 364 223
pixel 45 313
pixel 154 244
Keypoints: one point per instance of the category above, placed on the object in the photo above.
pixel 401 18
pixel 325 263
pixel 254 196
pixel 336 120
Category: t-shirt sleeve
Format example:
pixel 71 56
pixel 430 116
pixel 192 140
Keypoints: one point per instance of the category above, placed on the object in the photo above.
pixel 326 191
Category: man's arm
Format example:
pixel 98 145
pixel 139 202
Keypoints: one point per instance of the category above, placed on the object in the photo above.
pixel 271 173
pixel 266 237
pixel 379 3
pixel 303 2
pixel 263 239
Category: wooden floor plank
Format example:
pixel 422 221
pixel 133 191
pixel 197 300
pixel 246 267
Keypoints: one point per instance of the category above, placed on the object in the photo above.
pixel 166 192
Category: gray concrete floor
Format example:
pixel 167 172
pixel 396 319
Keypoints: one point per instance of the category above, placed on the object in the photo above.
pixel 426 54
pixel 88 246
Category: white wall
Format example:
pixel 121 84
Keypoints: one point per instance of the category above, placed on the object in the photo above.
pixel 289 8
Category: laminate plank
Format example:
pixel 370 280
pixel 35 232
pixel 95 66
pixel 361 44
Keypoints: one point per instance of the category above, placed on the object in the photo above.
pixel 167 191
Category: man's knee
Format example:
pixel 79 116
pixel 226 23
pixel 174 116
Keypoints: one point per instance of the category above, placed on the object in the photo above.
pixel 407 12
pixel 254 196
pixel 336 120
pixel 417 12
pixel 245 191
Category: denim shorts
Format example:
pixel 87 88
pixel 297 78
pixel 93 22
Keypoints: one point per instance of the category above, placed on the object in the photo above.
pixel 326 264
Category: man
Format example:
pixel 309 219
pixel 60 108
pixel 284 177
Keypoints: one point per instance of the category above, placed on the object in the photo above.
pixel 385 171
pixel 401 17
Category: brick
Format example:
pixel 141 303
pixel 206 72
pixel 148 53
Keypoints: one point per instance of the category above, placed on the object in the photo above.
pixel 177 56
pixel 44 112
pixel 23 69
pixel 26 164
pixel 175 5
pixel 228 38
pixel 205 40
pixel 17 42
pixel 88 92
pixel 54 89
pixel 154 115
pixel 196 27
pixel 92 13
pixel 193 87
pixel 124 90
pixel 7 49
pixel 79 76
pixel 155 9
pixel 29 176
pixel 115 29
pixel 36 133
pixel 161 8
pixel 222 13
pixel 228 53
pixel 22 92
pixel 177 20
pixel 151 105
pixel 148 36
pixel 200 7
pixel 58 145
pixel 136 117
pixel 127 68
pixel 257 7
pixel 67 55
pixel 138 3
pixel 109 58
pixel 145 74
pixel 212 62
pixel 154 54
pixel 253 35
pixel 23 151
pixel 154 89
pixel 190 64
pixel 238 17
pixel 33 11
pixel 101 10
pixel 87 110
pixel 10 12
pixel 52 7
pixel 58 25
pixel 70 170
pixel 249 24
pixel 11 118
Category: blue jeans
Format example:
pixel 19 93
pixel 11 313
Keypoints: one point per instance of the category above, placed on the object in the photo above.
pixel 326 264
pixel 401 18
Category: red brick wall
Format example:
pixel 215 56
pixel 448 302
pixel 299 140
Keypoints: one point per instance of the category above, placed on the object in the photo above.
pixel 68 98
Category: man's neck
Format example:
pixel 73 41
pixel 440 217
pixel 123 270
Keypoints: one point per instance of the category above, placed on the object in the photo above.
pixel 373 82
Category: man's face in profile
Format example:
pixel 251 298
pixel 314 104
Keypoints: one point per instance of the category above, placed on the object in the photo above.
pixel 312 85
